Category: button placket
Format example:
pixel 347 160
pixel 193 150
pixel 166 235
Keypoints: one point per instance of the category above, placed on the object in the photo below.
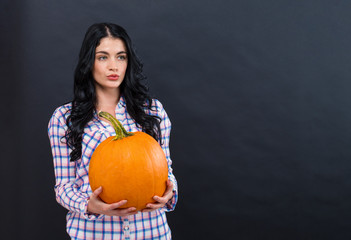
pixel 126 229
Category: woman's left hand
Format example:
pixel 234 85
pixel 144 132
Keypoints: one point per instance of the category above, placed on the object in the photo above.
pixel 160 201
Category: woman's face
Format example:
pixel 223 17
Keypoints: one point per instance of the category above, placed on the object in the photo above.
pixel 110 63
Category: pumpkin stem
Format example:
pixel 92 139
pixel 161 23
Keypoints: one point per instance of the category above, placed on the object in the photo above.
pixel 121 132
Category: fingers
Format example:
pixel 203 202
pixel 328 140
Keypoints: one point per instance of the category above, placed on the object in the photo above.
pixel 97 192
pixel 161 201
pixel 169 187
pixel 96 205
pixel 115 210
pixel 158 199
pixel 155 205
pixel 126 211
pixel 152 207
pixel 169 183
pixel 167 195
pixel 113 206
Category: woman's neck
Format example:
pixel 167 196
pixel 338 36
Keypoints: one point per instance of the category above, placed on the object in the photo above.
pixel 107 100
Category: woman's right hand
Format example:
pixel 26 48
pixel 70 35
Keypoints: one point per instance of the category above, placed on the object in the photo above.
pixel 97 206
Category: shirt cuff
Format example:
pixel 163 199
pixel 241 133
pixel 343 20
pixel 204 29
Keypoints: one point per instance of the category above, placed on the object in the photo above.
pixel 170 205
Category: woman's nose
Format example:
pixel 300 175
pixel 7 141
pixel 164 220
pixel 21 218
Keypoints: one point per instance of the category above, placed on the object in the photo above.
pixel 113 66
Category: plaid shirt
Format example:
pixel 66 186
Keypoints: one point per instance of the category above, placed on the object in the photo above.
pixel 72 181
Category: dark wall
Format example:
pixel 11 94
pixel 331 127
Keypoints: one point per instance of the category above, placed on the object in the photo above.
pixel 257 92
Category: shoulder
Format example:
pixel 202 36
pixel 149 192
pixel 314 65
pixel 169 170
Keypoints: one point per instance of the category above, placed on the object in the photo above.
pixel 157 104
pixel 61 113
pixel 156 108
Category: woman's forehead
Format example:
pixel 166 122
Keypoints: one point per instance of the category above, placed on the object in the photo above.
pixel 109 44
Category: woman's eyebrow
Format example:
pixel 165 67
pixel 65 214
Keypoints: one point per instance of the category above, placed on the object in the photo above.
pixel 103 52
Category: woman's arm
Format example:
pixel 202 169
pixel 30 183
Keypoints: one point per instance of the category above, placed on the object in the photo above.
pixel 66 188
pixel 68 184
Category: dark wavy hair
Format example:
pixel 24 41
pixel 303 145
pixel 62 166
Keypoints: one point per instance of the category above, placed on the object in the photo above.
pixel 132 88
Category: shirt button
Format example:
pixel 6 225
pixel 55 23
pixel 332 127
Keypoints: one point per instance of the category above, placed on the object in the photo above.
pixel 126 228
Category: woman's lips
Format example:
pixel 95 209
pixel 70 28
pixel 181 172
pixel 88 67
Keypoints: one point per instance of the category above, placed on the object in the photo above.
pixel 113 77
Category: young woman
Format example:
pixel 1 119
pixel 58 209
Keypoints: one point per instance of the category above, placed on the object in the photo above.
pixel 108 77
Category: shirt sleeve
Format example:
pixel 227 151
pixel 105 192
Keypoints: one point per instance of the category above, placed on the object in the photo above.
pixel 67 186
pixel 165 126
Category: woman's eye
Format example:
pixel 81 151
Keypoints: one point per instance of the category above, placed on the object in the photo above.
pixel 101 58
pixel 121 57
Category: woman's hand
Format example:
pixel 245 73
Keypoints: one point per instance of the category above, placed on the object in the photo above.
pixel 160 201
pixel 97 206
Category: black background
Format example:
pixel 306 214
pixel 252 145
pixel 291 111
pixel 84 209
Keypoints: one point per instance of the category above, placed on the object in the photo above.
pixel 257 92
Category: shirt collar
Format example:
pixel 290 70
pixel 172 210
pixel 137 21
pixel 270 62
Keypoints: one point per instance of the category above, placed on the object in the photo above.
pixel 121 102
pixel 119 107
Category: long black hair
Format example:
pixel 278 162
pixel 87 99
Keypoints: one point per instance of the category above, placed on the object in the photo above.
pixel 132 88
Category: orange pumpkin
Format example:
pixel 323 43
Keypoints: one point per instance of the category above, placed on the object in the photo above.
pixel 129 166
